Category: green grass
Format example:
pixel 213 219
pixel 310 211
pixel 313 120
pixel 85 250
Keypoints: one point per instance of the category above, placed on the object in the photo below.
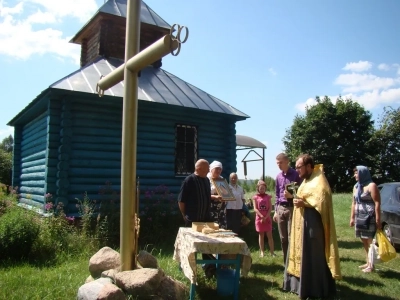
pixel 62 280
pixel 27 281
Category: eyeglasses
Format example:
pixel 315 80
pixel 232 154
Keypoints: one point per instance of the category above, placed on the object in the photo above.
pixel 299 167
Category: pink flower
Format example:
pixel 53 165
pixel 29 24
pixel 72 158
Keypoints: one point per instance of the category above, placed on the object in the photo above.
pixel 48 206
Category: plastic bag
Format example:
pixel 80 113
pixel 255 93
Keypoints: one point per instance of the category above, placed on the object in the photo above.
pixel 386 251
pixel 373 254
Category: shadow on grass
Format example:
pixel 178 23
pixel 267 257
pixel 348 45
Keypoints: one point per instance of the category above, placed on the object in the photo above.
pixel 353 260
pixel 386 273
pixel 249 288
pixel 361 281
pixel 346 292
pixel 47 260
pixel 267 268
pixel 255 288
pixel 356 244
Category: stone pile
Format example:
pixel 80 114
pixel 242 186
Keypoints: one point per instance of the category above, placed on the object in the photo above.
pixel 107 282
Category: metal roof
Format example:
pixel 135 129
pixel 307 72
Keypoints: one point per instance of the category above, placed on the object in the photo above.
pixel 155 84
pixel 118 8
pixel 246 141
pixel 147 15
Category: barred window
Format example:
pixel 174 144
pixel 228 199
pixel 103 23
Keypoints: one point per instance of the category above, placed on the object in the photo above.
pixel 185 149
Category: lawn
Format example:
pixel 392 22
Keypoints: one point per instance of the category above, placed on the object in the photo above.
pixel 62 280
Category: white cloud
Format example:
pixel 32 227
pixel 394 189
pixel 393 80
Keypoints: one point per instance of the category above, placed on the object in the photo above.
pixel 17 9
pixel 272 71
pixel 82 10
pixel 375 98
pixel 367 89
pixel 384 67
pixel 360 66
pixel 355 82
pixel 41 18
pixel 21 38
pixel 302 106
pixel 369 99
pixel 397 66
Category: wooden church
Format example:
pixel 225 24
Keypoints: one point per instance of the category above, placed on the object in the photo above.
pixel 68 140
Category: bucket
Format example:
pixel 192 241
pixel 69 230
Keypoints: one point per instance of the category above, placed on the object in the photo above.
pixel 225 282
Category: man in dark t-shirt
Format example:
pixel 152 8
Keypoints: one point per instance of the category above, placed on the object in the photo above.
pixel 194 199
pixel 194 202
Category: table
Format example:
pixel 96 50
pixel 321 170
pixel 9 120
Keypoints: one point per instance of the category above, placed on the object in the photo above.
pixel 189 242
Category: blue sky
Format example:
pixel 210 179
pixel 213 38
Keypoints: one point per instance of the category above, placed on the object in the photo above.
pixel 267 58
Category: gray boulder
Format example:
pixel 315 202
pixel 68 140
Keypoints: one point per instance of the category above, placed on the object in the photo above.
pixel 171 289
pixel 110 274
pixel 141 282
pixel 100 289
pixel 105 259
pixel 146 260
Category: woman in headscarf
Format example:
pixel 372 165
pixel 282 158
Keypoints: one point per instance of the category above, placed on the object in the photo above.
pixel 365 210
pixel 217 205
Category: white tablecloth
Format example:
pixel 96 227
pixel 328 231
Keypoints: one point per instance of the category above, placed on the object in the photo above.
pixel 188 242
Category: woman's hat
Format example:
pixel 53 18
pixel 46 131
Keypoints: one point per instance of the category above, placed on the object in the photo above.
pixel 215 164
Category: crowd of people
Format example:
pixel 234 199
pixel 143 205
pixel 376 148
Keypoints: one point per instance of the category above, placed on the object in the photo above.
pixel 303 212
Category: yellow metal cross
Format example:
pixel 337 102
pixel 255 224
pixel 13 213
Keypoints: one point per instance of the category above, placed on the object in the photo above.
pixel 134 62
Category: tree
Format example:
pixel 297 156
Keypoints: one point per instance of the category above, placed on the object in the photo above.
pixel 5 167
pixel 6 149
pixel 270 182
pixel 7 144
pixel 245 186
pixel 336 135
pixel 386 141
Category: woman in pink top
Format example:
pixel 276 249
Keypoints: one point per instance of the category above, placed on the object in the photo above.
pixel 262 208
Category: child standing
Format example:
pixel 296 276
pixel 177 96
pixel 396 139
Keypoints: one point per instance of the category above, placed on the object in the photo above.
pixel 262 208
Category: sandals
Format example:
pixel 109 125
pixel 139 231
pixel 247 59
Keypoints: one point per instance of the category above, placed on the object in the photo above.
pixel 368 270
pixel 363 266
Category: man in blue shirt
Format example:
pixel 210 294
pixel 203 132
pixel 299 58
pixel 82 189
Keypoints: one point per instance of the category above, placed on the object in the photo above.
pixel 284 200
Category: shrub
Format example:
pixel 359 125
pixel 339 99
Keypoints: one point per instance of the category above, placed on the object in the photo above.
pixel 108 219
pixel 100 219
pixel 86 208
pixel 56 233
pixel 8 197
pixel 19 229
pixel 270 182
pixel 158 215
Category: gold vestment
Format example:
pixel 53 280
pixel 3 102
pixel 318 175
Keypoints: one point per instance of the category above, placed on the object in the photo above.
pixel 315 191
